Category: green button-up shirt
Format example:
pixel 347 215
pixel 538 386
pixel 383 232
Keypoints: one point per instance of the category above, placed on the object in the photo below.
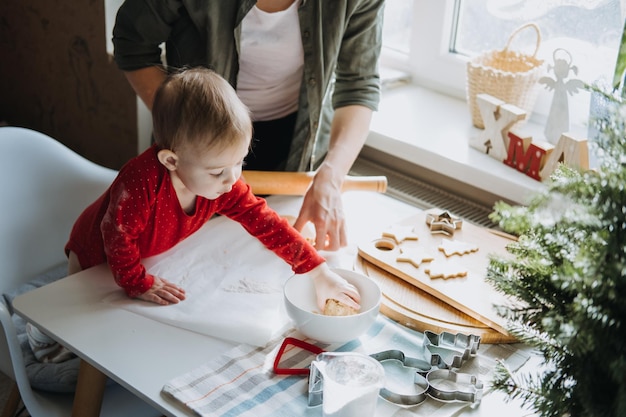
pixel 341 41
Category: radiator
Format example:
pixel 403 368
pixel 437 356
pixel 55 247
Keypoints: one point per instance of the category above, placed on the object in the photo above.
pixel 423 195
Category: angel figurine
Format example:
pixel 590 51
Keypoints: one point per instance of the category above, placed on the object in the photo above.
pixel 558 119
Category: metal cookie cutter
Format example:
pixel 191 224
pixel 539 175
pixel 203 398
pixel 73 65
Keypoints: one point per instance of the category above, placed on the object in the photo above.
pixel 449 385
pixel 405 382
pixel 452 348
pixel 442 222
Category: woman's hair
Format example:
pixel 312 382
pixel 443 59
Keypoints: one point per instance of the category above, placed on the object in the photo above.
pixel 198 107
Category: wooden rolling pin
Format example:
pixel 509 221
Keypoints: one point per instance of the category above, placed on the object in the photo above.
pixel 296 183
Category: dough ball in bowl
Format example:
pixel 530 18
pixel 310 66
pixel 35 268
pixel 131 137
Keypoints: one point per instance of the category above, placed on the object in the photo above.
pixel 335 308
pixel 301 306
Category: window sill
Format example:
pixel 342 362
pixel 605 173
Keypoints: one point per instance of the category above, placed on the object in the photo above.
pixel 430 130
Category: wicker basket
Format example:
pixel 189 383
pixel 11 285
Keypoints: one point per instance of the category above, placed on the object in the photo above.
pixel 507 75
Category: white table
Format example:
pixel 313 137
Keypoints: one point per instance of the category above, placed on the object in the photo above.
pixel 142 354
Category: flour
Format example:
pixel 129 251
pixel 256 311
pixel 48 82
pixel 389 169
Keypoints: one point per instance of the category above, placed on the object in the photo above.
pixel 253 287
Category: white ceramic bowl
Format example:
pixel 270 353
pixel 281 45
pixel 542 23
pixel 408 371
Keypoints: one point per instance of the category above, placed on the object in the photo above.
pixel 301 306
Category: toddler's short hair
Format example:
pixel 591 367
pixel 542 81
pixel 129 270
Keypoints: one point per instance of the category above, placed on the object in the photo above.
pixel 197 106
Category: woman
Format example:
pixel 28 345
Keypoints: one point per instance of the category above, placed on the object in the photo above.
pixel 291 61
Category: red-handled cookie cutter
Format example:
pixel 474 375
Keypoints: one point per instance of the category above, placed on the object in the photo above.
pixel 297 343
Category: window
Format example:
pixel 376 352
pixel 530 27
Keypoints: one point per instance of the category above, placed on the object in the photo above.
pixel 397 27
pixel 433 39
pixel 110 10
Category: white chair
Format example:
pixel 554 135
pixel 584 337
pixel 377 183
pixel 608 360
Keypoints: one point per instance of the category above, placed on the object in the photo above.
pixel 45 187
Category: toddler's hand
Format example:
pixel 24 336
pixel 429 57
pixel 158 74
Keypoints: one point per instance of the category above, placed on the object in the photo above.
pixel 329 285
pixel 163 292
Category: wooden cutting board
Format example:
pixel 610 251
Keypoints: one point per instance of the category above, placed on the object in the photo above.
pixel 460 302
pixel 418 310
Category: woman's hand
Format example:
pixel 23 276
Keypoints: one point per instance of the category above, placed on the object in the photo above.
pixel 163 292
pixel 322 204
pixel 323 207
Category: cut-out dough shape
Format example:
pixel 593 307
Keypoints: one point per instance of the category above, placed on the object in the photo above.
pixel 415 256
pixel 456 247
pixel 400 233
pixel 442 222
pixel 445 270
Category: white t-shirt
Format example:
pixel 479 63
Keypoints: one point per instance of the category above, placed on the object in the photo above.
pixel 270 62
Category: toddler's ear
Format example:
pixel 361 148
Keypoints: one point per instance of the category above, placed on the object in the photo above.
pixel 168 159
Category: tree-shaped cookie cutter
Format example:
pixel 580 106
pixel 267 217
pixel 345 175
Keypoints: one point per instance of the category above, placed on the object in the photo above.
pixel 452 348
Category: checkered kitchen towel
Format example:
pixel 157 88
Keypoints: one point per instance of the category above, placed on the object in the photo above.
pixel 241 382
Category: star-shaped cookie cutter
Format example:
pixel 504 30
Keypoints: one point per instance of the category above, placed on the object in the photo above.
pixel 442 222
